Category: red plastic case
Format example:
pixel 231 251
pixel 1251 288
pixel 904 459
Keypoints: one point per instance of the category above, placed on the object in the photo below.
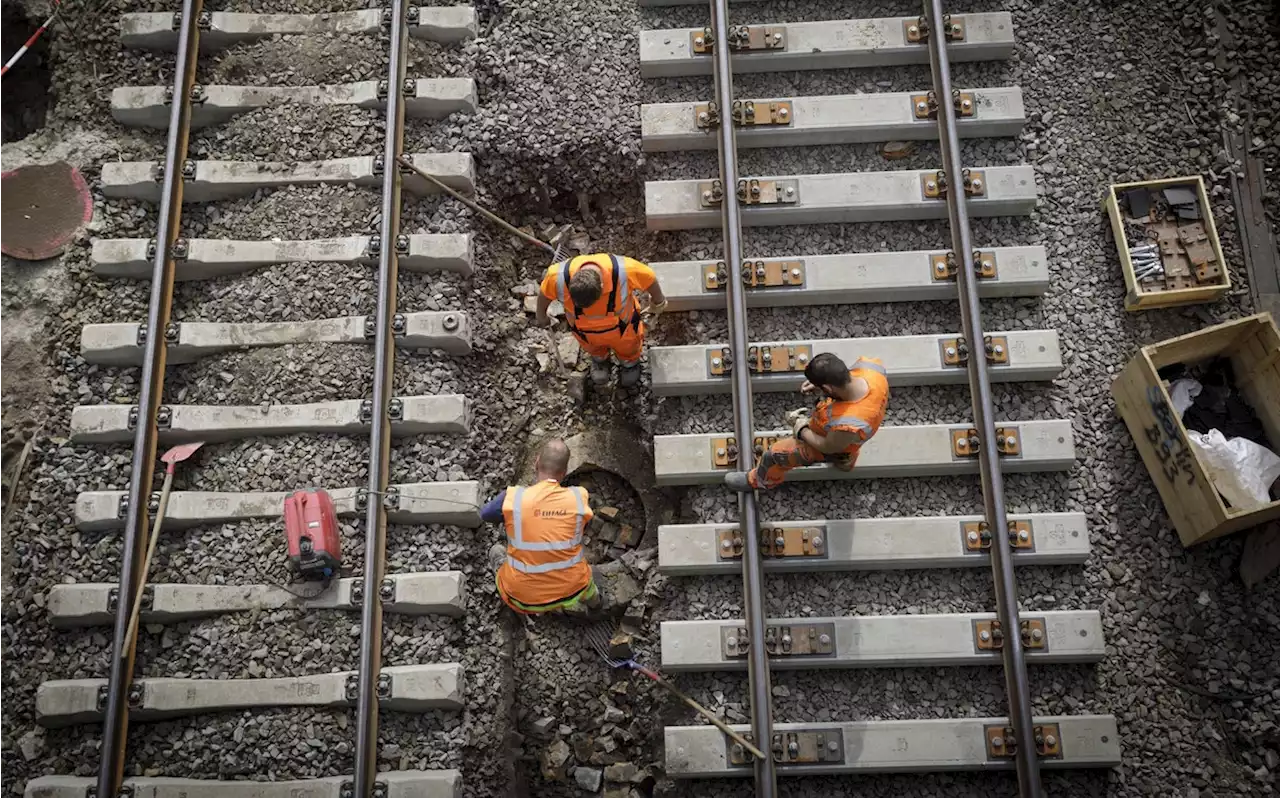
pixel 311 526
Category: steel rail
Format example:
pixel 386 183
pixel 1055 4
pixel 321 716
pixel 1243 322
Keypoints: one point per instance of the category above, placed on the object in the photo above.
pixel 375 548
pixel 115 723
pixel 766 777
pixel 1015 666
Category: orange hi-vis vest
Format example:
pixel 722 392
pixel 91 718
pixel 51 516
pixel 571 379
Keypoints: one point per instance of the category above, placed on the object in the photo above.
pixel 545 559
pixel 616 308
pixel 863 416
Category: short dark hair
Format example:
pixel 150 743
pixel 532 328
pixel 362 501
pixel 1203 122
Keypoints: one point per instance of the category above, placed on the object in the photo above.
pixel 827 369
pixel 585 286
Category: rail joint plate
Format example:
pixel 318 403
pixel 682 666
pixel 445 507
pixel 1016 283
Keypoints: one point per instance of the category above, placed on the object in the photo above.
pixel 778 359
pixel 789 542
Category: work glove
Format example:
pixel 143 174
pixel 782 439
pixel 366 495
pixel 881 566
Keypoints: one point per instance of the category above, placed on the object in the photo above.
pixel 653 311
pixel 798 419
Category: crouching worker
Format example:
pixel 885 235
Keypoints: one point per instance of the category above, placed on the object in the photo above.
pixel 543 568
pixel 842 422
pixel 597 292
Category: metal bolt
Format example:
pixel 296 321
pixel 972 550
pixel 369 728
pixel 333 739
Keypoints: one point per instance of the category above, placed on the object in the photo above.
pixel 972 536
pixel 782 112
pixel 922 107
pixel 779 542
pixel 731 642
pixel 699 41
pixel 976 184
pixel 998 349
pixel 715 361
pixel 824 639
pixel 816 542
pixel 832 746
pixel 1011 440
pixel 1050 741
pixel 1024 536
pixel 963 443
pixel 997 742
pixel 931 185
pixel 726 544
pixel 951 351
pixel 777 37
pixel 984 635
pixel 704 117
pixel 451 322
pixel 790 191
pixel 706 196
pixel 1037 635
pixel 913 30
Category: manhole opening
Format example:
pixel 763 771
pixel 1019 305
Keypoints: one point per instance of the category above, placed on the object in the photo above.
pixel 609 538
pixel 25 88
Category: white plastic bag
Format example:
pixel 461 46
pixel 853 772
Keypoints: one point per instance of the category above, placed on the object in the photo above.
pixel 1241 470
pixel 1183 393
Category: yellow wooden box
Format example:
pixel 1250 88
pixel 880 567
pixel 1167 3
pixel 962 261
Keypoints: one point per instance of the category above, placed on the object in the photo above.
pixel 1135 298
pixel 1193 504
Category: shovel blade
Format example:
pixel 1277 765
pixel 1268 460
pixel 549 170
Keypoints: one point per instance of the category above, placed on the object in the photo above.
pixel 181 452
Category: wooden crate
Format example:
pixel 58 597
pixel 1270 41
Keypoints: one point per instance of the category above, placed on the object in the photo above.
pixel 1193 504
pixel 1137 299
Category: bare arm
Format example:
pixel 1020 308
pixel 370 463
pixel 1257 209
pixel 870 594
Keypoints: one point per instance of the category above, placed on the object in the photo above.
pixel 540 316
pixel 834 443
pixel 656 296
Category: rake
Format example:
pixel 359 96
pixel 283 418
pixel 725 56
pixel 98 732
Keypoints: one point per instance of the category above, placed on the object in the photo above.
pixel 599 637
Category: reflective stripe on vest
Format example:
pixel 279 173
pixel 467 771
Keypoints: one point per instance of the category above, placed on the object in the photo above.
pixel 517 541
pixel 861 363
pixel 852 421
pixel 619 305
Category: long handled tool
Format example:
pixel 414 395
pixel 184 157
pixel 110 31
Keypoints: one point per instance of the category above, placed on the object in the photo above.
pixel 599 636
pixel 554 248
pixel 171 459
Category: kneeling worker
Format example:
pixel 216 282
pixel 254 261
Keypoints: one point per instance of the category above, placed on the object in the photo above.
pixel 842 422
pixel 544 569
pixel 601 309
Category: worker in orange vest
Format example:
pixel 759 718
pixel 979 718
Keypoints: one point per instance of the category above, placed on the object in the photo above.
pixel 842 422
pixel 544 568
pixel 598 295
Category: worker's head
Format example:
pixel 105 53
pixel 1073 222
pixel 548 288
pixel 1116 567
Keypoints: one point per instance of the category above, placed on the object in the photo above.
pixel 552 461
pixel 828 373
pixel 585 286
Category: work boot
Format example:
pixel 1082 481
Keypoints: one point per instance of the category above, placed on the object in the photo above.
pixel 737 480
pixel 629 375
pixel 600 371
pixel 497 555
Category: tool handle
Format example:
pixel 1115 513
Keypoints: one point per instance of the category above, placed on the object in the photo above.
pixel 704 712
pixel 127 644
pixel 473 205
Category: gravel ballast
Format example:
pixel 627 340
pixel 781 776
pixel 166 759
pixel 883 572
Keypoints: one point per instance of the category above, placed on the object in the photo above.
pixel 1190 671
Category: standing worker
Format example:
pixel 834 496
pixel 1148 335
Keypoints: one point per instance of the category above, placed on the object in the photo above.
pixel 842 422
pixel 544 568
pixel 597 292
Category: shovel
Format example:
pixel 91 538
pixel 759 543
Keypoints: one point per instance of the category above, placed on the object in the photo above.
pixel 171 459
pixel 599 637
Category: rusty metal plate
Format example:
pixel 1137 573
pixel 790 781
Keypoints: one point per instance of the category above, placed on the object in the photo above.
pixel 768 192
pixel 719 362
pixel 955 351
pixel 945 266
pixel 714 276
pixel 824 746
pixel 710 193
pixel 965 443
pixel 988 636
pixel 45 206
pixel 706 115
pixel 750 113
pixel 761 442
pixel 1001 741
pixel 934 185
pixel 976 536
pixel 729 544
pixel 773 273
pixel 1034 635
pixel 1210 272
pixel 1007 441
pixel 778 359
pixel 724 452
pixel 925 106
pixel 997 349
pixel 917 30
pixel 1022 536
pixel 793 542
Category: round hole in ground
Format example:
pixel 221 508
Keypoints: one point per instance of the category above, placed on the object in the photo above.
pixel 608 537
pixel 26 98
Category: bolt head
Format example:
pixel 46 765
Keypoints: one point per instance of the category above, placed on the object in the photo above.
pixel 1037 635
pixel 984 635
pixel 1011 440
pixel 816 542
pixel 913 30
pixel 972 537
pixel 790 191
pixel 1024 536
pixel 726 544
pixel 997 742
pixel 698 40
pixel 1050 740
pixel 824 639
pixel 731 642
pixel 706 195
pixel 976 183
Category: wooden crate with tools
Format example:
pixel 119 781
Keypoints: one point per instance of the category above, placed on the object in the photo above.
pixel 1167 242
pixel 1252 345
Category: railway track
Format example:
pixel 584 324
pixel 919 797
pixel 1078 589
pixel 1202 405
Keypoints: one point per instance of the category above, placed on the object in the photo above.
pixel 118 699
pixel 968 270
